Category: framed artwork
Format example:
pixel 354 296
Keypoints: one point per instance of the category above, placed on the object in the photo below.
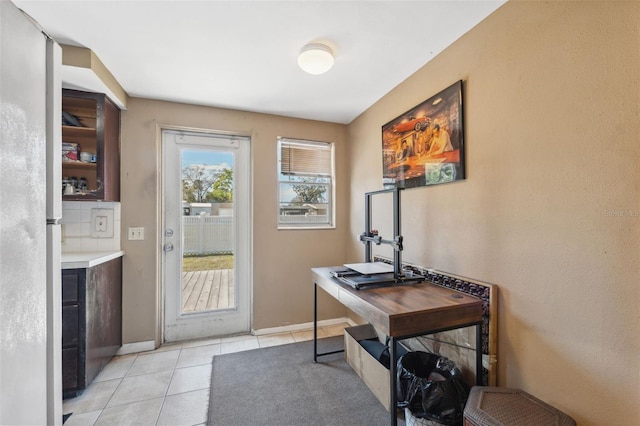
pixel 425 145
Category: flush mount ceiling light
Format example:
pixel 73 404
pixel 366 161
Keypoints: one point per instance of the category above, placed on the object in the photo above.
pixel 316 58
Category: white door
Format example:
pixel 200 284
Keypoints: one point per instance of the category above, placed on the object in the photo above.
pixel 207 234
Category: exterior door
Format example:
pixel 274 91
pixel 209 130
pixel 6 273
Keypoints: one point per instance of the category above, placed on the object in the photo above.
pixel 206 243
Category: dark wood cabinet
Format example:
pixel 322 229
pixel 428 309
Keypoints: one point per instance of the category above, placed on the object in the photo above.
pixel 91 322
pixel 97 133
pixel 73 326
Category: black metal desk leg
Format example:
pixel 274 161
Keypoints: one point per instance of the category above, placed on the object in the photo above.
pixel 315 327
pixel 479 354
pixel 315 322
pixel 393 395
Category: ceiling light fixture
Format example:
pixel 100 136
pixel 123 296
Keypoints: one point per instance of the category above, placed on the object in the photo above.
pixel 315 58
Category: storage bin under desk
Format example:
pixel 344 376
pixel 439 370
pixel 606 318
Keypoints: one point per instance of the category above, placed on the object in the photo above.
pixel 372 373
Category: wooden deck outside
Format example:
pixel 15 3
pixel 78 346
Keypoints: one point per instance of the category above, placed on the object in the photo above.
pixel 207 290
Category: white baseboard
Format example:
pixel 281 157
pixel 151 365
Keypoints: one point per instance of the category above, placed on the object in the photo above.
pixel 298 327
pixel 150 345
pixel 132 348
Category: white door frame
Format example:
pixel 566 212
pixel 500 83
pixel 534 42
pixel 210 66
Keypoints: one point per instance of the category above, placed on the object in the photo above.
pixel 175 325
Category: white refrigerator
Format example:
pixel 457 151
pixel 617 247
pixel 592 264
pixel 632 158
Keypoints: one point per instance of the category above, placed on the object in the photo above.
pixel 30 213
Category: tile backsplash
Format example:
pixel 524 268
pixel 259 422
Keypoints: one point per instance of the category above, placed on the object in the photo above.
pixel 77 227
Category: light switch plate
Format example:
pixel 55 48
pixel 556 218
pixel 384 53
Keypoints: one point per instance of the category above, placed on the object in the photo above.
pixel 136 233
pixel 101 223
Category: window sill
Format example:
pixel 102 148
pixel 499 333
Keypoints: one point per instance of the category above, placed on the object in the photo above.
pixel 305 228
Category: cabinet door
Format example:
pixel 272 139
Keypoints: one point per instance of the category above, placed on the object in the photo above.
pixel 110 166
pixel 70 285
pixel 70 371
pixel 73 331
pixel 70 325
pixel 104 315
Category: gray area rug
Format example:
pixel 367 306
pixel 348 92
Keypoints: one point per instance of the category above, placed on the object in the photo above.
pixel 282 386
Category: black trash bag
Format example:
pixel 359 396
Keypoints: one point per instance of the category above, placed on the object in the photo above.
pixel 431 387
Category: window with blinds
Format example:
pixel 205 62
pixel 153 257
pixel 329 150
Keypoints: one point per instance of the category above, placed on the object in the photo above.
pixel 305 189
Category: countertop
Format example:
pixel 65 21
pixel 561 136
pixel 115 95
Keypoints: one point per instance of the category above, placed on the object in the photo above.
pixel 78 260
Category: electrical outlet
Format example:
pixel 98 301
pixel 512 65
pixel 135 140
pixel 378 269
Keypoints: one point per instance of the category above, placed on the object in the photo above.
pixel 136 233
pixel 102 223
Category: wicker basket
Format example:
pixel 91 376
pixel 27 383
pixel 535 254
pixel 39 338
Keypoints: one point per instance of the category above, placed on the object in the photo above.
pixel 490 406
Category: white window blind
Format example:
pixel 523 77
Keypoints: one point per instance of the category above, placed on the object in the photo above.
pixel 303 158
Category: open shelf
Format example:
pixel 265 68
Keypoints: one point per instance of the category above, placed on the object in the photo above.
pixel 78 165
pixel 80 132
pixel 98 135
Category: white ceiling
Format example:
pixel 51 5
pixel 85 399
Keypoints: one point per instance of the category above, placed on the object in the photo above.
pixel 242 54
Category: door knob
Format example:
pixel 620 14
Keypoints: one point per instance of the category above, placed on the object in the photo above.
pixel 168 247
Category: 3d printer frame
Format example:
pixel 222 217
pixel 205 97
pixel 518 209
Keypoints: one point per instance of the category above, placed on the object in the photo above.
pixel 371 236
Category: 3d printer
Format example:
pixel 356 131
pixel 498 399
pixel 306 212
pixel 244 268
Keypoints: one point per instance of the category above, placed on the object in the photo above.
pixel 378 274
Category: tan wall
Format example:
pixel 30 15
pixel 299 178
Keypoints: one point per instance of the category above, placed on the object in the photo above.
pixel 282 260
pixel 550 210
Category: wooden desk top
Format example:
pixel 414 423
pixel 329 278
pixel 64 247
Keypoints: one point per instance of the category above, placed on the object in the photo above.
pixel 404 310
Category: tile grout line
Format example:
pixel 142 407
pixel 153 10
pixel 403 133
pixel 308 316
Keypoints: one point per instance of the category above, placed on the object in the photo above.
pixel 289 337
pixel 164 398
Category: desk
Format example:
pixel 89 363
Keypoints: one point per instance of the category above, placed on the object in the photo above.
pixel 401 312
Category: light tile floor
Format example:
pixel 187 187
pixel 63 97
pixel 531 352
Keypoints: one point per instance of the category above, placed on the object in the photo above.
pixel 168 386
